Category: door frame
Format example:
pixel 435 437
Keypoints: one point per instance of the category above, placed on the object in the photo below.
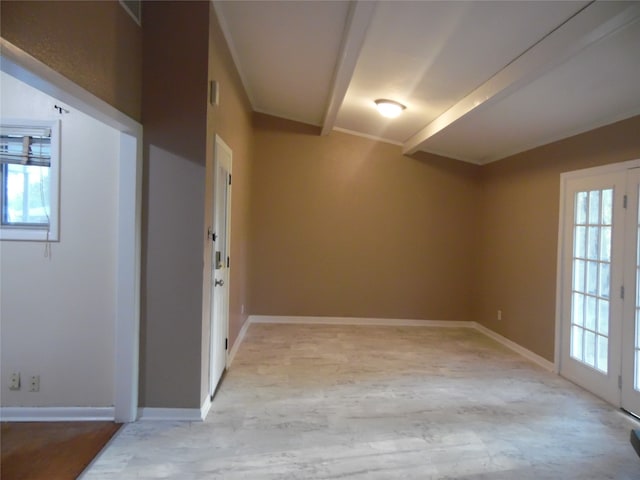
pixel 219 143
pixel 629 397
pixel 33 72
pixel 561 274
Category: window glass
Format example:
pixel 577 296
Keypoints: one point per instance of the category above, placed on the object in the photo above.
pixel 29 179
pixel 27 195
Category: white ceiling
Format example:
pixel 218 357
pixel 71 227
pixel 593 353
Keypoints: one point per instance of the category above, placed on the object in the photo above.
pixel 481 80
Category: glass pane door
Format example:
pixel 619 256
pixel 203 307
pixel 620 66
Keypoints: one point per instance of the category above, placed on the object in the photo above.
pixel 591 278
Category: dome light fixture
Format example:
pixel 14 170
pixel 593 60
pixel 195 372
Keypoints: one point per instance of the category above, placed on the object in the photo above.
pixel 389 108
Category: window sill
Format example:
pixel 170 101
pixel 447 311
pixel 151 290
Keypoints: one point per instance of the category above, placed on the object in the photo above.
pixel 28 235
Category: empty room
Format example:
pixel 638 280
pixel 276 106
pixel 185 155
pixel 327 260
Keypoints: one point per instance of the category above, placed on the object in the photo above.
pixel 322 239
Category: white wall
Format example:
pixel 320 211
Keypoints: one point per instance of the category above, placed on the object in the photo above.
pixel 57 315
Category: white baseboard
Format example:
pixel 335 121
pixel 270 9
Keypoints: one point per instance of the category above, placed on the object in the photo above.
pixel 190 414
pixel 206 406
pixel 170 414
pixel 57 414
pixel 388 322
pixel 528 354
pixel 238 341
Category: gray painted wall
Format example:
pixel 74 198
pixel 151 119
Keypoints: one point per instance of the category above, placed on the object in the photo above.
pixel 174 105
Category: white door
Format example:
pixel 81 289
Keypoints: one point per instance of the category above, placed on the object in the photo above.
pixel 592 307
pixel 599 337
pixel 631 328
pixel 220 262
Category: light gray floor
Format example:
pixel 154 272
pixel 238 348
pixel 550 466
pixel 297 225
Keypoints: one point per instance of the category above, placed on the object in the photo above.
pixel 362 402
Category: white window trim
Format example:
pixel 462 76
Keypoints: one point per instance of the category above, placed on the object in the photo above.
pixel 38 234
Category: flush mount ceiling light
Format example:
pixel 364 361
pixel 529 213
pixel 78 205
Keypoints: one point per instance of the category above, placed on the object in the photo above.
pixel 389 108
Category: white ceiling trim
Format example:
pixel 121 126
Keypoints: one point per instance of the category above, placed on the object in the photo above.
pixel 366 135
pixel 234 53
pixel 358 21
pixel 589 25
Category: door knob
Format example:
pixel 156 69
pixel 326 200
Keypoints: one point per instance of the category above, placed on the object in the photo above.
pixel 218 283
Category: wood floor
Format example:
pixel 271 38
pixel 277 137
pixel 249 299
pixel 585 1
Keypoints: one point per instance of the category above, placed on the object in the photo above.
pixel 51 450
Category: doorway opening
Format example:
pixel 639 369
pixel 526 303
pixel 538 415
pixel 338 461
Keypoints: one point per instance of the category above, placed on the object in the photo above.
pixel 31 71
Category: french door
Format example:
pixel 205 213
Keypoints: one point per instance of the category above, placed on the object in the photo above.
pixel 630 389
pixel 600 334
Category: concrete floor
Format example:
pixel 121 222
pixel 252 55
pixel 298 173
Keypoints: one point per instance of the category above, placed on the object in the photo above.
pixel 365 402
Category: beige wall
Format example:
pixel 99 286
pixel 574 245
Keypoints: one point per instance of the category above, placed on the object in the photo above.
pixel 346 226
pixel 231 120
pixel 336 225
pixel 95 44
pixel 174 115
pixel 517 241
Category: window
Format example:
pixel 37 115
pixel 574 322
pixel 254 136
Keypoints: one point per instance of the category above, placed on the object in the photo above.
pixel 29 171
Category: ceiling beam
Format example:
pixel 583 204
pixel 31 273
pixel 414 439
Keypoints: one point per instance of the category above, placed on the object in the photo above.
pixel 590 25
pixel 355 30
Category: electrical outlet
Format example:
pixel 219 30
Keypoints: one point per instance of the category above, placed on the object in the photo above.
pixel 14 383
pixel 499 315
pixel 242 309
pixel 34 385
